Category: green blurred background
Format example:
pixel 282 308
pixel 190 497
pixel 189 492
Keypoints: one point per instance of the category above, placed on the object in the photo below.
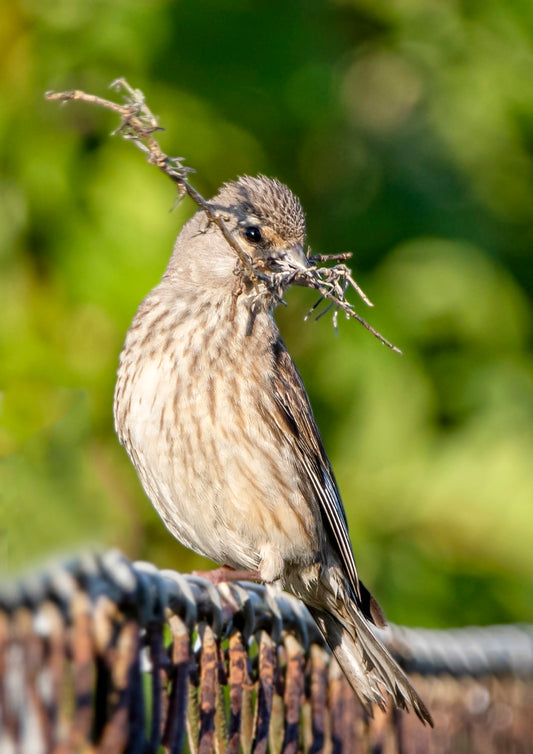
pixel 406 127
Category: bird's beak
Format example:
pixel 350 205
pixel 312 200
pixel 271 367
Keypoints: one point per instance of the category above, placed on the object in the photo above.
pixel 296 257
pixel 298 263
pixel 290 260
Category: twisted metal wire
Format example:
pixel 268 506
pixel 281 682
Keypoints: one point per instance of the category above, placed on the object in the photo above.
pixel 101 654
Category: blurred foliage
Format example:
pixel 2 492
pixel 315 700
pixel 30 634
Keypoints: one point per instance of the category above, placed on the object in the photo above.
pixel 407 130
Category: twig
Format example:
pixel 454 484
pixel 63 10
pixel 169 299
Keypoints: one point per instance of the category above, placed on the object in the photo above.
pixel 138 124
pixel 332 283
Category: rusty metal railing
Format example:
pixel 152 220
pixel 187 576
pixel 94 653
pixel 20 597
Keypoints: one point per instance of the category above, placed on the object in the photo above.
pixel 98 654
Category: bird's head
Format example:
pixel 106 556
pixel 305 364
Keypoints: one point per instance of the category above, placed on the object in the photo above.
pixel 263 216
pixel 267 221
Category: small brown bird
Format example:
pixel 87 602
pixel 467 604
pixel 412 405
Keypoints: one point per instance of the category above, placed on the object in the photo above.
pixel 217 422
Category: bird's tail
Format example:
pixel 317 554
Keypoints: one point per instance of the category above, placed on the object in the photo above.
pixel 366 663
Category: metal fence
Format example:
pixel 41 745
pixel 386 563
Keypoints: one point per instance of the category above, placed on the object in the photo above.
pixel 98 654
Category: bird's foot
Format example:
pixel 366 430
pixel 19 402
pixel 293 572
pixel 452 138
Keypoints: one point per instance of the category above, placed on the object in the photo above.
pixel 225 574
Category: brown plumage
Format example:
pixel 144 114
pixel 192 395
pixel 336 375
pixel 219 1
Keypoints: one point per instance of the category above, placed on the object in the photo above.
pixel 216 420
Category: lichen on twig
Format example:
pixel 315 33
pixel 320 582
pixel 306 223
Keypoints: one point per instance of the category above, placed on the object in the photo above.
pixel 138 124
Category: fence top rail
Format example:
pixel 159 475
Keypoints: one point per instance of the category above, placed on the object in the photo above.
pixel 151 595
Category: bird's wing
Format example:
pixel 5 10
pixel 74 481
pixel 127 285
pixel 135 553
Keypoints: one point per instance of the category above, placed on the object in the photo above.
pixel 294 413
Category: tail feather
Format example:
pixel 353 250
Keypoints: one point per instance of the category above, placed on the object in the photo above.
pixel 366 663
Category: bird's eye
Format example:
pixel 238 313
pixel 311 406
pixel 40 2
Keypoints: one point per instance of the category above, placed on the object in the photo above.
pixel 253 234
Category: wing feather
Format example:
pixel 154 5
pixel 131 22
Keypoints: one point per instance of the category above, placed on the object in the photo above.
pixel 295 414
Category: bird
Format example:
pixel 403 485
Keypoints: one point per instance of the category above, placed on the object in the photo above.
pixel 215 418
